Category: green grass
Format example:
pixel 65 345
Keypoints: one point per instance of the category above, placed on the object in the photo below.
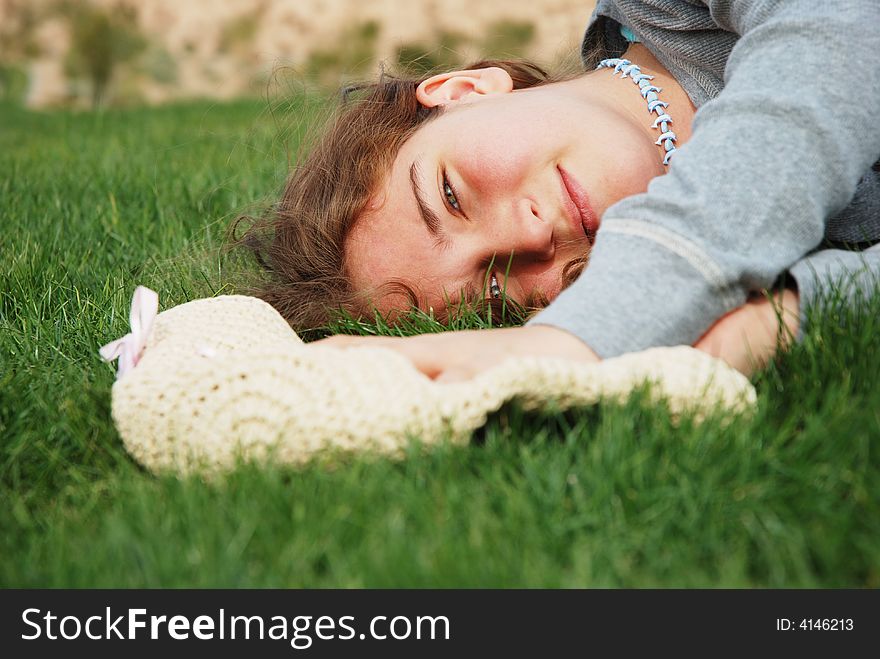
pixel 92 205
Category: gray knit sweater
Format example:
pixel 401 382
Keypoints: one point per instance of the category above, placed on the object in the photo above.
pixel 780 174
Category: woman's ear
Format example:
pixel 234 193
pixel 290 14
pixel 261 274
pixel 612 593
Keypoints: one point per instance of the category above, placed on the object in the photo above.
pixel 463 86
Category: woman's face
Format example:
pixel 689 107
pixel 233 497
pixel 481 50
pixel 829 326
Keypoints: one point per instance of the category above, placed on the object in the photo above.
pixel 502 184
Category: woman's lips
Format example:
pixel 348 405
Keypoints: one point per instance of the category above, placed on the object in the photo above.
pixel 577 203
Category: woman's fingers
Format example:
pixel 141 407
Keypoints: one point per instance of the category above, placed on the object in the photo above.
pixel 348 341
pixel 413 348
pixel 335 341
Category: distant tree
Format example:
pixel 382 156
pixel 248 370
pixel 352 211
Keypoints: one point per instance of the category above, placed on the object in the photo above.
pixel 508 38
pixel 101 40
pixel 353 54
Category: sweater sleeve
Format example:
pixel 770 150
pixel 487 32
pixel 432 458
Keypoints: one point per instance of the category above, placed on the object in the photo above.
pixel 823 276
pixel 775 154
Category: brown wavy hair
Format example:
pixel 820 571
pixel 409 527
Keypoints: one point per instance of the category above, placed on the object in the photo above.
pixel 300 240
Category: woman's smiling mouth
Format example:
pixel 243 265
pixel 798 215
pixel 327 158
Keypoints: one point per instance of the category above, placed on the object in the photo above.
pixel 577 205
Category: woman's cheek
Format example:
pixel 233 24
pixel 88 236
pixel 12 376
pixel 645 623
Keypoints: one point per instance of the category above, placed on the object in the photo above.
pixel 548 284
pixel 500 156
pixel 490 169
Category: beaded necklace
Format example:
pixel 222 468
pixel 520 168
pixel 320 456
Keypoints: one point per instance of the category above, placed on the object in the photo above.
pixel 649 93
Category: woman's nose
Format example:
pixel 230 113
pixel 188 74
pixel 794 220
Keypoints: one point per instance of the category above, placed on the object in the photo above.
pixel 519 231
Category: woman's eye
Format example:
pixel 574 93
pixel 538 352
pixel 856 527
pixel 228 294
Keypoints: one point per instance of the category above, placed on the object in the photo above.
pixel 450 195
pixel 494 288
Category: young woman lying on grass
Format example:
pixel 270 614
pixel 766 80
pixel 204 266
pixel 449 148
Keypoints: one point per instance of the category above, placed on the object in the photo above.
pixel 715 167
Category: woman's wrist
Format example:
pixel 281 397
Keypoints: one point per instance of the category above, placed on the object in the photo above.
pixel 554 341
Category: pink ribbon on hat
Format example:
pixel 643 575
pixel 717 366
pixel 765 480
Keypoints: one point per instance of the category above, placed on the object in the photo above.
pixel 130 348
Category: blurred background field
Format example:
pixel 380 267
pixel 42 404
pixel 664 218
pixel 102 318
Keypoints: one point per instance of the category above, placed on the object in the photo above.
pixel 122 52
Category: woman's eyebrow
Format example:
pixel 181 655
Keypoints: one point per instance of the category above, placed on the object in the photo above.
pixel 429 217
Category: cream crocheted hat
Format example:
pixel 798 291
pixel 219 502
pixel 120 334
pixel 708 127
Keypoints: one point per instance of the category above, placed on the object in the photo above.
pixel 226 378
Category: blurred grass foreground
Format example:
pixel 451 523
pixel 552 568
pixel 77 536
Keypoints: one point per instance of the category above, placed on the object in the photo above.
pixel 92 204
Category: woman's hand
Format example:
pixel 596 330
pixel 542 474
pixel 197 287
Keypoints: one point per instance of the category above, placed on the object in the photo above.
pixel 748 337
pixel 451 356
